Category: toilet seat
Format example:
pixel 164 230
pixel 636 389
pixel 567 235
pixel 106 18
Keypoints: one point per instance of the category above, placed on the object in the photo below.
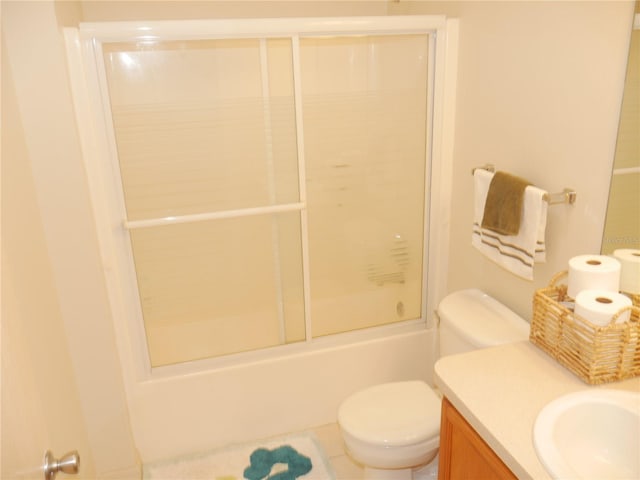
pixel 392 414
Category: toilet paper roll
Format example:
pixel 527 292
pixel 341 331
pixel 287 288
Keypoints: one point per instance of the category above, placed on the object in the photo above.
pixel 629 259
pixel 593 272
pixel 599 306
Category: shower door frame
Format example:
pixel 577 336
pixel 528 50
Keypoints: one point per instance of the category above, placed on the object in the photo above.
pixel 98 148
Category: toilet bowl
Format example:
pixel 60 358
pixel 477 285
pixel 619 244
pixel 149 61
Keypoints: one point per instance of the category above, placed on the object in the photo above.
pixel 392 429
pixel 392 426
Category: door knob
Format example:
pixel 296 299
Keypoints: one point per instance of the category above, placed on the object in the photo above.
pixel 69 463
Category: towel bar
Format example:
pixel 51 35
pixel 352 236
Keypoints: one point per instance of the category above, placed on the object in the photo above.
pixel 568 195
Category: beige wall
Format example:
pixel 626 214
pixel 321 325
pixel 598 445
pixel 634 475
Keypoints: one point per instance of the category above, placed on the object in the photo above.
pixel 107 10
pixel 539 92
pixel 63 375
pixel 40 403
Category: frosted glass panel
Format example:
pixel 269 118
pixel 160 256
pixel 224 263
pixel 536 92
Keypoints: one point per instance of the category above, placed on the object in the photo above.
pixel 213 288
pixel 203 126
pixel 365 104
pixel 209 127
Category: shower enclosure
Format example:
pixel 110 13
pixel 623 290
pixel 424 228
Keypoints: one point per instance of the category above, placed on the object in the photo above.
pixel 259 183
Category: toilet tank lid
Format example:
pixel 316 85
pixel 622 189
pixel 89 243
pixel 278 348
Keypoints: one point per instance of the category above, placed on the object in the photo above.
pixel 481 319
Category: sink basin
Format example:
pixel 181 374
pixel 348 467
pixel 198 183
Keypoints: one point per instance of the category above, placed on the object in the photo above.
pixel 591 434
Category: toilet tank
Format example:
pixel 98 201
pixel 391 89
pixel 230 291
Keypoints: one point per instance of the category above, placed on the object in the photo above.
pixel 471 319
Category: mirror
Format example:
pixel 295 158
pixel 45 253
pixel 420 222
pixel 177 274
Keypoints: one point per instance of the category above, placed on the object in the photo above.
pixel 622 225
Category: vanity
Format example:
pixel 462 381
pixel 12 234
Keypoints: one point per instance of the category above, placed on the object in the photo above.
pixel 492 398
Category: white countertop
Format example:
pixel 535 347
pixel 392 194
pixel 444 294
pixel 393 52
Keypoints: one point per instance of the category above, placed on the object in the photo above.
pixel 501 390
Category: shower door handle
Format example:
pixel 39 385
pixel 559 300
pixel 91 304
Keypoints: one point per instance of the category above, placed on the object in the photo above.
pixel 69 463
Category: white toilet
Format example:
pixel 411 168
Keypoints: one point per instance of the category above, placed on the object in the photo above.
pixel 393 429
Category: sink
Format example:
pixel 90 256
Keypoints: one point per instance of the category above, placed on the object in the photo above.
pixel 591 434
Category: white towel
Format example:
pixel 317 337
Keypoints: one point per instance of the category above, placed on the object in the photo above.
pixel 516 253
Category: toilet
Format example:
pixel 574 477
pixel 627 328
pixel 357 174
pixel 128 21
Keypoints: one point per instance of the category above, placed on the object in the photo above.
pixel 393 429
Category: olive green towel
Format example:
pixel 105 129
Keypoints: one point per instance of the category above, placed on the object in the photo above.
pixel 503 207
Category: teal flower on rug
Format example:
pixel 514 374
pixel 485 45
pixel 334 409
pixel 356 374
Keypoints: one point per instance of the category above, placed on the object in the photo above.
pixel 263 460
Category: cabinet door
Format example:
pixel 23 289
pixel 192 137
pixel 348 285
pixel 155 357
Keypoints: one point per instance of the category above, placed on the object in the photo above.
pixel 463 454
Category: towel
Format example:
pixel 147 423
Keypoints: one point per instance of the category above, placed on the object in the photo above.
pixel 503 207
pixel 516 253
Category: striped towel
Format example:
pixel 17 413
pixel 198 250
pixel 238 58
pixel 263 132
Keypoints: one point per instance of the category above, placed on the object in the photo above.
pixel 516 253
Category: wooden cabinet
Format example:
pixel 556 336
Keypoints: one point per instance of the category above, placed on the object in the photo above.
pixel 463 453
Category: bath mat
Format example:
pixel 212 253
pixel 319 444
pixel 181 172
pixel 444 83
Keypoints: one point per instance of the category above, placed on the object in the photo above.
pixel 281 458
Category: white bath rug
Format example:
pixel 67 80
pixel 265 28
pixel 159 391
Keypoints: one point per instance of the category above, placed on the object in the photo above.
pixel 297 456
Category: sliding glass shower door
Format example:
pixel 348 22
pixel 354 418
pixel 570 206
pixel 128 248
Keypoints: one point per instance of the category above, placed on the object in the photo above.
pixel 272 188
pixel 206 146
pixel 365 124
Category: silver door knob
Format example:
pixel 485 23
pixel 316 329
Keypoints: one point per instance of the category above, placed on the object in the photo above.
pixel 69 463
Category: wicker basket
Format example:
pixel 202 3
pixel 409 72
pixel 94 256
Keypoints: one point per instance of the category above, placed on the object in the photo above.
pixel 596 354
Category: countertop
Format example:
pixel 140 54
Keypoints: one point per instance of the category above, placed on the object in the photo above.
pixel 500 391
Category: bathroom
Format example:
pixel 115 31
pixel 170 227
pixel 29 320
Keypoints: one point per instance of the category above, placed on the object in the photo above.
pixel 539 86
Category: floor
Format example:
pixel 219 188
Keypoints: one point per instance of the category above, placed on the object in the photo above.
pixel 331 441
pixel 199 466
pixel 332 445
pixel 345 468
